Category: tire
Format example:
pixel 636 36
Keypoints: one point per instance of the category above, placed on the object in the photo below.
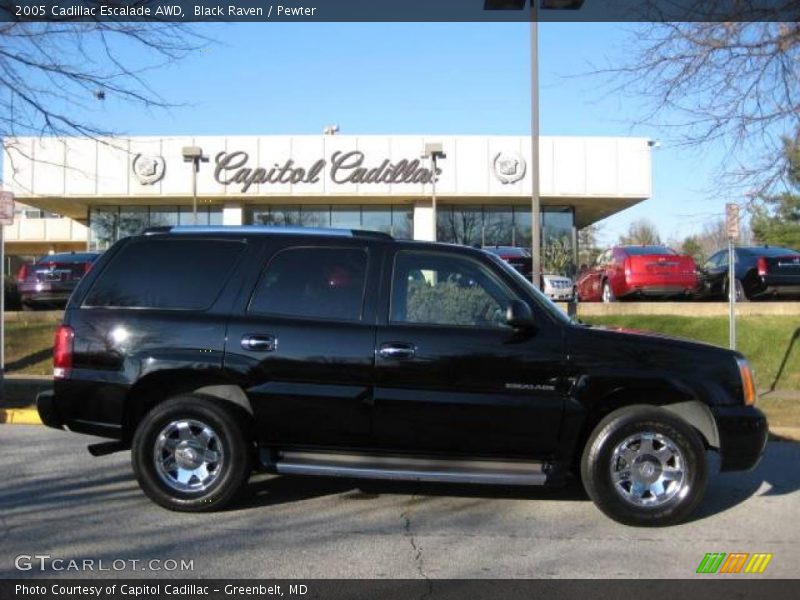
pixel 177 439
pixel 608 293
pixel 638 501
pixel 741 295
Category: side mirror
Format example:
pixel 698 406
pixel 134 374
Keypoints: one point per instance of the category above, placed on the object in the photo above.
pixel 519 315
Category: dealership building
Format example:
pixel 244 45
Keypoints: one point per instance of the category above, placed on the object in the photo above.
pixel 78 194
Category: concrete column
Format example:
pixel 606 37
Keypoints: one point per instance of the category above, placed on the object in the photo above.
pixel 232 213
pixel 424 221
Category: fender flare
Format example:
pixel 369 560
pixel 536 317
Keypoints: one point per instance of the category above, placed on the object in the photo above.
pixel 229 393
pixel 699 416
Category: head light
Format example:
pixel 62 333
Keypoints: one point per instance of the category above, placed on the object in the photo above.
pixel 748 383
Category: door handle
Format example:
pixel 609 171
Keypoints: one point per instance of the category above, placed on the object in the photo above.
pixel 259 342
pixel 397 350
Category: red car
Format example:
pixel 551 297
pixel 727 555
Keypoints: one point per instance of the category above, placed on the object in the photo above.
pixel 630 271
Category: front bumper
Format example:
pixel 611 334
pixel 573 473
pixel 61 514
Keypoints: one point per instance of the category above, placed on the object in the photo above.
pixel 743 432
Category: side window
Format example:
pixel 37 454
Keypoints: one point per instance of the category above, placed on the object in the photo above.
pixel 602 260
pixel 713 261
pixel 442 289
pixel 165 274
pixel 322 283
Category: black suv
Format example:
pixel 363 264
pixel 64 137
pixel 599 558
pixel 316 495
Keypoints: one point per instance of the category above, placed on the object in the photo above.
pixel 211 351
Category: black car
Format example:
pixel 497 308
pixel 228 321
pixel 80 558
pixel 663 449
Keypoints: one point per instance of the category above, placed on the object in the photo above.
pixel 51 279
pixel 761 272
pixel 210 351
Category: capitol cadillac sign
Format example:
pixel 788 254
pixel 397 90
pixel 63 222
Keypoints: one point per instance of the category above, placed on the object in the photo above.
pixel 236 169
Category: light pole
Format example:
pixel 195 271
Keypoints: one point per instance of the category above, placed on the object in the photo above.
pixel 536 205
pixel 434 152
pixel 194 155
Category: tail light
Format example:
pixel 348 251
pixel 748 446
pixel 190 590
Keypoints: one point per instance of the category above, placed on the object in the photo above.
pixel 62 351
pixel 627 264
pixel 22 274
pixel 762 266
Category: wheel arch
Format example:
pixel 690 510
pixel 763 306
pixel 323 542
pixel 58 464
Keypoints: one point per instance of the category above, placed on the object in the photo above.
pixel 679 402
pixel 155 388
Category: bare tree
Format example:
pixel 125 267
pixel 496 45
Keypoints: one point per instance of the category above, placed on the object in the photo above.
pixel 643 232
pixel 52 73
pixel 732 82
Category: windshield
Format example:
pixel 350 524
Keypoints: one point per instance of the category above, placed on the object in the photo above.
pixel 543 301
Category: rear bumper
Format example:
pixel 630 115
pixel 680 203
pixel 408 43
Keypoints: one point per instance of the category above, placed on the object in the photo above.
pixel 660 290
pixel 47 410
pixel 743 432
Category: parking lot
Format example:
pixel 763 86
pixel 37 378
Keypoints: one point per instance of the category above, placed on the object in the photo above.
pixel 57 500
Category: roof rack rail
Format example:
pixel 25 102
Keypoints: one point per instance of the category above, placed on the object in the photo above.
pixel 268 229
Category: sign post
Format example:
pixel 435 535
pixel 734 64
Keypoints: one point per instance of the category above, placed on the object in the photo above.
pixel 732 227
pixel 6 218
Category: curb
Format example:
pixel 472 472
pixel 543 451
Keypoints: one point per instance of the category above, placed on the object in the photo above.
pixel 20 416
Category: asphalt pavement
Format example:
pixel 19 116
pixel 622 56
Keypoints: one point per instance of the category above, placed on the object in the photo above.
pixel 56 500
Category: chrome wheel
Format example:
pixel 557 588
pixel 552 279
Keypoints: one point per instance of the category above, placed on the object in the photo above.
pixel 607 295
pixel 648 470
pixel 188 455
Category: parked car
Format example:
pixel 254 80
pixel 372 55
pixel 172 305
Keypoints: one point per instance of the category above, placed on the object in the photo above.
pixel 519 258
pixel 637 271
pixel 557 287
pixel 51 279
pixel 209 351
pixel 761 272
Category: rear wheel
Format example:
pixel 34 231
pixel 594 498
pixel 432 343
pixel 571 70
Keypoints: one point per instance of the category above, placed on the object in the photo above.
pixel 191 453
pixel 741 295
pixel 643 466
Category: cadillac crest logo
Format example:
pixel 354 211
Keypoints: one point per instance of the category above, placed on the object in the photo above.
pixel 509 167
pixel 148 169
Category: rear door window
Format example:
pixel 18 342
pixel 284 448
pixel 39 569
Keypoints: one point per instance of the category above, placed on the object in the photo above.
pixel 165 274
pixel 315 283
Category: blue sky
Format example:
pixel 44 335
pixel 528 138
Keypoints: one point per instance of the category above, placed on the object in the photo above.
pixel 417 78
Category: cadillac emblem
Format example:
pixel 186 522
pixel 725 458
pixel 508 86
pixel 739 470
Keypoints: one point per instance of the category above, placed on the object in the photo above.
pixel 509 167
pixel 148 169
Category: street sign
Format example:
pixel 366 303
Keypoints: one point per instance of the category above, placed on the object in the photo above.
pixel 732 220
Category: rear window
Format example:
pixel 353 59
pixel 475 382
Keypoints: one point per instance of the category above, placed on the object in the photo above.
pixel 769 251
pixel 643 250
pixel 165 273
pixel 82 257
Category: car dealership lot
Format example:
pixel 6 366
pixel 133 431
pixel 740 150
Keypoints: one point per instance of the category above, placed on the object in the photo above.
pixel 57 500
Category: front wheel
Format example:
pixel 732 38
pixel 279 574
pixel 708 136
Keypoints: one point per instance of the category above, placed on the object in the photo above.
pixel 191 454
pixel 643 466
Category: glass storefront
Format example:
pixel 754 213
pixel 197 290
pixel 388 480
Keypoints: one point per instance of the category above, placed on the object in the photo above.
pixel 107 224
pixel 396 220
pixel 490 225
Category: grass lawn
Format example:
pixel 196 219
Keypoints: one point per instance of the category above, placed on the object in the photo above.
pixel 29 347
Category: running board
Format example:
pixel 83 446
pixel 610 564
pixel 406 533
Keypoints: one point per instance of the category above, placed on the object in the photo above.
pixel 403 468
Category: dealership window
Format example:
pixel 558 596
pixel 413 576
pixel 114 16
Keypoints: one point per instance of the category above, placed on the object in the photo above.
pixel 396 220
pixel 489 225
pixel 107 224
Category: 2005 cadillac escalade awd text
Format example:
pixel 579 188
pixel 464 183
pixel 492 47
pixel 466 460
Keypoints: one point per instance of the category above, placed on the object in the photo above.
pixel 214 351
